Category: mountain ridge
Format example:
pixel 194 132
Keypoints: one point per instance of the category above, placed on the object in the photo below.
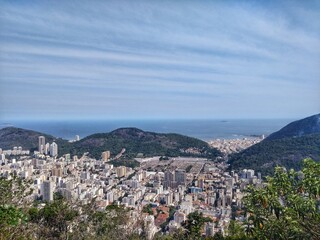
pixel 298 128
pixel 286 147
pixel 134 140
pixel 26 138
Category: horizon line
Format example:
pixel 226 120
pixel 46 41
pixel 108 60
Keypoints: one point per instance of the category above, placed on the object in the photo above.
pixel 8 121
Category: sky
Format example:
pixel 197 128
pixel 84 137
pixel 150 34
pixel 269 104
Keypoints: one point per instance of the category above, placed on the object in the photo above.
pixel 159 59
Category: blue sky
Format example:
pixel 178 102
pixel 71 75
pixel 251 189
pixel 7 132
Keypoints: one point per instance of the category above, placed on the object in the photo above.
pixel 159 59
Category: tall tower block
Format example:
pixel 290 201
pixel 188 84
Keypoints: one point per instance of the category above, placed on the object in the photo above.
pixel 42 144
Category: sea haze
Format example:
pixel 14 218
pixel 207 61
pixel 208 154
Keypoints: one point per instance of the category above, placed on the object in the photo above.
pixel 202 129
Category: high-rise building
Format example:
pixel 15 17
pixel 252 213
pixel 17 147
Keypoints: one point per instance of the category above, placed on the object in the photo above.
pixel 47 191
pixel 85 175
pixel 105 155
pixel 169 180
pixel 53 149
pixel 67 157
pixel 201 182
pixel 259 175
pixel 110 197
pixel 42 143
pixel 250 173
pixel 47 148
pixel 150 227
pixel 174 179
pixel 180 177
pixel 77 138
pixel 57 171
pixel 121 171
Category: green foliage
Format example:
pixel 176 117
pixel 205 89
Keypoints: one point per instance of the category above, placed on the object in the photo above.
pixel 133 140
pixel 125 162
pixel 287 207
pixel 61 220
pixel 188 168
pixel 178 234
pixel 113 223
pixel 131 175
pixel 13 193
pixel 13 190
pixel 147 209
pixel 148 143
pixel 194 225
pixel 11 216
pixel 137 141
pixel 148 184
pixel 163 158
pixel 235 230
pixel 287 152
pixel 172 210
pixel 54 219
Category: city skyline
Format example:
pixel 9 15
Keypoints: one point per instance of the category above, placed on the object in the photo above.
pixel 152 59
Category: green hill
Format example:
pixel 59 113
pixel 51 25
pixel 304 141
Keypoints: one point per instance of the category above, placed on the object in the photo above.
pixel 287 152
pixel 286 147
pixel 149 143
pixel 309 125
pixel 132 139
pixel 27 139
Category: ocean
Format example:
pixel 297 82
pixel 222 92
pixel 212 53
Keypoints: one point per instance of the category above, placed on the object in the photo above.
pixel 202 129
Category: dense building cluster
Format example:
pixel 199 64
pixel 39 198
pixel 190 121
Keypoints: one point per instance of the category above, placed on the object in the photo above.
pixel 228 146
pixel 163 192
pixel 46 148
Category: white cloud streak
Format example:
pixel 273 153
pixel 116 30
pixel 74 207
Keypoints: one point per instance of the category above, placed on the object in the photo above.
pixel 207 53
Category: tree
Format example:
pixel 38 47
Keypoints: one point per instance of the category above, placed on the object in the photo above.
pixel 288 206
pixel 14 191
pixel 147 209
pixel 177 234
pixel 114 223
pixel 188 168
pixel 235 230
pixel 14 194
pixel 54 220
pixel 194 225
